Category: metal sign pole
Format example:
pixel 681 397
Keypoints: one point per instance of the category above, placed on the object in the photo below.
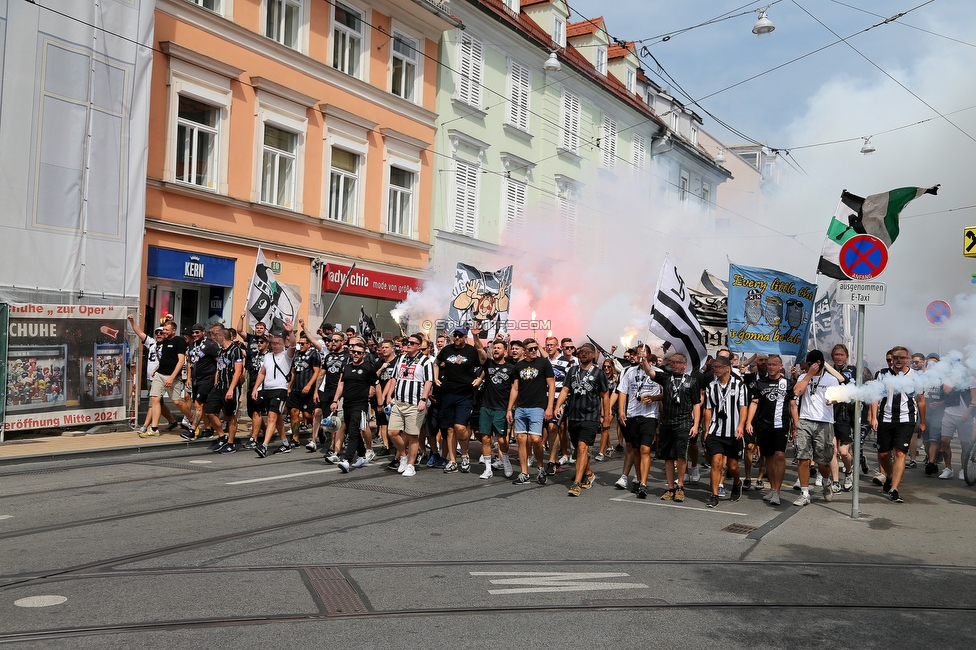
pixel 341 287
pixel 855 466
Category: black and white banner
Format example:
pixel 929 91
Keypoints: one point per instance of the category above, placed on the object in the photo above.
pixel 672 318
pixel 269 301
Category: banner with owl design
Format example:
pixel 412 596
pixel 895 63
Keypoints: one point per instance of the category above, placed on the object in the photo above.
pixel 769 311
pixel 482 297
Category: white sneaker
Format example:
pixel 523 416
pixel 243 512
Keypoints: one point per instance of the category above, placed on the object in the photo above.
pixel 687 477
pixel 403 465
pixel 563 460
pixel 768 495
pixel 531 461
pixel 695 475
pixel 804 500
pixel 599 457
pixel 344 466
pixel 410 471
pixel 186 423
pixel 819 481
pixel 796 486
pixel 311 445
pixel 496 464
pixel 507 466
pixel 962 476
pixel 486 474
pixel 370 455
pixel 946 473
pixel 333 457
pixel 621 483
pixel 774 498
pixel 360 462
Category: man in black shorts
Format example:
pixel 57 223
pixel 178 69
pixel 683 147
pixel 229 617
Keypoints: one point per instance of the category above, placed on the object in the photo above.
pixel 639 401
pixel 257 409
pixel 273 380
pixel 681 410
pixel 202 356
pixel 455 370
pixel 334 359
pixel 726 409
pixel 586 396
pixel 305 371
pixel 357 383
pixel 226 393
pixel 772 419
pixel 895 418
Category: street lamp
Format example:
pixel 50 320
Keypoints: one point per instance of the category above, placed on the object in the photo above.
pixel 552 63
pixel 867 148
pixel 720 157
pixel 764 25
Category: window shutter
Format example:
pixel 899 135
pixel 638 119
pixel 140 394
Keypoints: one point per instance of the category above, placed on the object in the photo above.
pixel 515 202
pixel 567 214
pixel 571 121
pixel 470 69
pixel 465 198
pixel 609 143
pixel 639 153
pixel 518 114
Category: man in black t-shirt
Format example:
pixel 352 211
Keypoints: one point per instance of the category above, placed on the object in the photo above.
pixel 586 395
pixel 305 371
pixel 172 357
pixel 531 399
pixel 334 359
pixel 202 357
pixel 356 385
pixel 455 371
pixel 226 392
pixel 496 388
pixel 772 419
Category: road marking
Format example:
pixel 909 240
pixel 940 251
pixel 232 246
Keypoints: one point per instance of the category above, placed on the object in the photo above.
pixel 5 516
pixel 201 462
pixel 275 478
pixel 553 581
pixel 669 505
pixel 40 601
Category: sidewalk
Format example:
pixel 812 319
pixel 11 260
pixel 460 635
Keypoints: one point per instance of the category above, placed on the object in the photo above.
pixel 45 448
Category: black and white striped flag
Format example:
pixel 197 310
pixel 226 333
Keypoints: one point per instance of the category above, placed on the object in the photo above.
pixel 672 318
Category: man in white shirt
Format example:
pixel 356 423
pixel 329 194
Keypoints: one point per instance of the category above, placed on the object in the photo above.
pixel 815 430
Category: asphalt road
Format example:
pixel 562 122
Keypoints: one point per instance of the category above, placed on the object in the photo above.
pixel 179 548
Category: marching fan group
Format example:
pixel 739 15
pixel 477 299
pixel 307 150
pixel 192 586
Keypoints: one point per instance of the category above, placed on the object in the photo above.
pixel 546 407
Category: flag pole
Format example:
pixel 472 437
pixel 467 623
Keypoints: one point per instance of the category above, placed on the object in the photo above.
pixel 341 287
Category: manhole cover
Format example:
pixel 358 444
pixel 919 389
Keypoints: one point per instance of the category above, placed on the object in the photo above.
pixel 741 529
pixel 337 594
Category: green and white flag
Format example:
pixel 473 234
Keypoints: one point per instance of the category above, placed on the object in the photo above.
pixel 875 215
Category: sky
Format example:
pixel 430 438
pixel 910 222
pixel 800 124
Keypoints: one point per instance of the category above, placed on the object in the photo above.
pixel 898 76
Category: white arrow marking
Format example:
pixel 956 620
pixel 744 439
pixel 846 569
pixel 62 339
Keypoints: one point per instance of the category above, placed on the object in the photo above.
pixel 549 581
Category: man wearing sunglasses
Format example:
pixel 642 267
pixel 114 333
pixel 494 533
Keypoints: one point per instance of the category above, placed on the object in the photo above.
pixel 586 397
pixel 531 399
pixel 455 371
pixel 202 359
pixel 357 384
pixel 333 361
pixel 273 380
pixel 895 418
pixel 561 357
pixel 408 398
pixel 301 394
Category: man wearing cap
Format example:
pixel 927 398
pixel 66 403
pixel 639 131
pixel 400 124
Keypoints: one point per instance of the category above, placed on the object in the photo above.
pixel 455 370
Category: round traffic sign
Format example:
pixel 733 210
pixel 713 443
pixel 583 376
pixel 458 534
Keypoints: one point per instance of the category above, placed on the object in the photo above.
pixel 863 257
pixel 938 312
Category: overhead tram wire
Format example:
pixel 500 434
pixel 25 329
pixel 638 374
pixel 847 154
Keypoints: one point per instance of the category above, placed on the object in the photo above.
pixel 904 24
pixel 887 74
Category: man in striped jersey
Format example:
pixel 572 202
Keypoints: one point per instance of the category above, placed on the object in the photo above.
pixel 772 418
pixel 895 417
pixel 726 409
pixel 413 376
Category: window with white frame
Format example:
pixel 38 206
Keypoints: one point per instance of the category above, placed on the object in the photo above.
pixel 673 120
pixel 559 31
pixel 694 135
pixel 513 6
pixel 640 153
pixel 404 68
pixel 347 40
pixel 283 22
pixel 514 202
pixel 279 167
pixel 518 100
pixel 466 182
pixel 212 5
pixel 343 186
pixel 601 59
pixel 571 121
pixel 400 211
pixel 471 70
pixel 706 197
pixel 196 142
pixel 684 183
pixel 608 143
pixel 631 80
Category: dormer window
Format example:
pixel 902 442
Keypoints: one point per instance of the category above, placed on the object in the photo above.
pixel 601 60
pixel 559 31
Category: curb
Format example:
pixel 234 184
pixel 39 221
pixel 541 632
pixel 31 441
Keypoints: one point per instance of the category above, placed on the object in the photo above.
pixel 105 451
